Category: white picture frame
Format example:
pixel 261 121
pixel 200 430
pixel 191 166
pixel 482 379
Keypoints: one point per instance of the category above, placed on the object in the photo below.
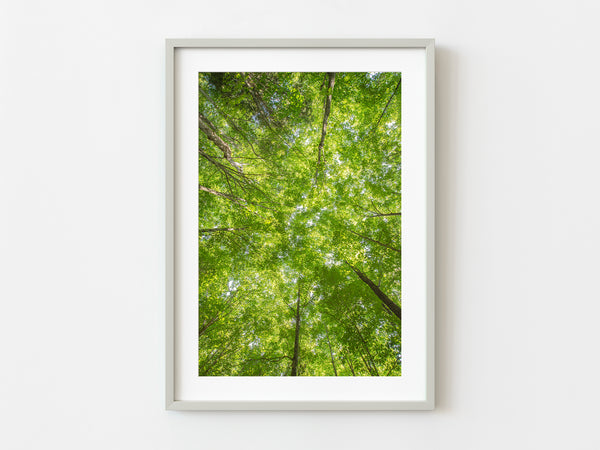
pixel 184 57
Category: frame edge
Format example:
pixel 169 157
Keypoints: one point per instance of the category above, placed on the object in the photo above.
pixel 169 223
pixel 430 196
pixel 428 45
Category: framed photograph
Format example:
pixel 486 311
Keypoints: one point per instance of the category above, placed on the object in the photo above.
pixel 300 224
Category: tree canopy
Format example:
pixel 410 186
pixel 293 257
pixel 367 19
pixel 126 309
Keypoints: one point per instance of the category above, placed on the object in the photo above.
pixel 299 224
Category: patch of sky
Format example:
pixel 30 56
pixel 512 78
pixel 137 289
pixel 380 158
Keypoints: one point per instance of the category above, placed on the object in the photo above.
pixel 330 260
pixel 232 285
pixel 386 167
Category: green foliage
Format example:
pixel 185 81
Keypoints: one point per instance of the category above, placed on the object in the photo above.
pixel 275 224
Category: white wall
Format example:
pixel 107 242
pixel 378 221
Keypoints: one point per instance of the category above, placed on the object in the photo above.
pixel 81 143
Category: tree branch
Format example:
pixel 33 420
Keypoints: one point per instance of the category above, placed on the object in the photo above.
pixel 388 103
pixel 375 241
pixel 382 215
pixel 220 194
pixel 273 359
pixel 226 310
pixel 215 230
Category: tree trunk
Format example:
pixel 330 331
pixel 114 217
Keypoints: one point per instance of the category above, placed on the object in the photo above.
pixel 372 366
pixel 366 363
pixel 296 337
pixel 378 292
pixel 229 121
pixel 330 351
pixel 347 359
pixel 207 129
pixel 326 112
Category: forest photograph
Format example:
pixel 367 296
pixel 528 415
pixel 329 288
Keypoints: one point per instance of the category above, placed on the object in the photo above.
pixel 299 224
